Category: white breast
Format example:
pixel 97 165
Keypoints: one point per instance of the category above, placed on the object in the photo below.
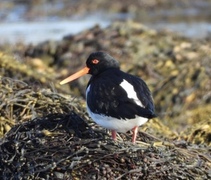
pixel 119 125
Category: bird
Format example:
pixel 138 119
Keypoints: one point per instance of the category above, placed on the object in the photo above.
pixel 115 100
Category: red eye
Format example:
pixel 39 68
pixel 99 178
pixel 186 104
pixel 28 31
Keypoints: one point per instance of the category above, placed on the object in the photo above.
pixel 95 61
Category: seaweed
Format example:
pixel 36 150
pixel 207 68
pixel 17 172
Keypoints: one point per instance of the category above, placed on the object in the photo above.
pixel 47 134
pixel 64 146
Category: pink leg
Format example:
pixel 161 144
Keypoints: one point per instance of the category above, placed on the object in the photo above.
pixel 113 133
pixel 135 131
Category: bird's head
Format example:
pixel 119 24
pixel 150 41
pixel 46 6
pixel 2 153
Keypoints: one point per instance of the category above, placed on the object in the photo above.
pixel 96 63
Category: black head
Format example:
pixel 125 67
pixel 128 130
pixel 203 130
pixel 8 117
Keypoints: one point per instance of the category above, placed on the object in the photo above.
pixel 98 62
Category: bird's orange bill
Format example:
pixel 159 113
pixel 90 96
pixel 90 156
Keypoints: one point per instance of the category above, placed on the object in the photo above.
pixel 75 76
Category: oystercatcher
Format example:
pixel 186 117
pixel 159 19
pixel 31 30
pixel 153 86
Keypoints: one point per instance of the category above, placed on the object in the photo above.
pixel 115 100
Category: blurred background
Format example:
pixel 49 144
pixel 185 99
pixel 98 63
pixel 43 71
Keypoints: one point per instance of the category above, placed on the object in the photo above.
pixel 35 21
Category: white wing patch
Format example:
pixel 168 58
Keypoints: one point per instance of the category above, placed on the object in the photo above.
pixel 131 92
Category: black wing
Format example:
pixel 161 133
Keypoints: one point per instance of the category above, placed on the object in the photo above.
pixel 107 97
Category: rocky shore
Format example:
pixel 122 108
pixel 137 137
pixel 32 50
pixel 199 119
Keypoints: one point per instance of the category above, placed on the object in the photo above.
pixel 45 132
pixel 49 135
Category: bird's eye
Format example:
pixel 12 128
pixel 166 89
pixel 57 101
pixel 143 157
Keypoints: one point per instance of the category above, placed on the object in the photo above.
pixel 95 61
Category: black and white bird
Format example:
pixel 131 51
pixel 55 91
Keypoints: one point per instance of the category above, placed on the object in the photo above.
pixel 116 100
